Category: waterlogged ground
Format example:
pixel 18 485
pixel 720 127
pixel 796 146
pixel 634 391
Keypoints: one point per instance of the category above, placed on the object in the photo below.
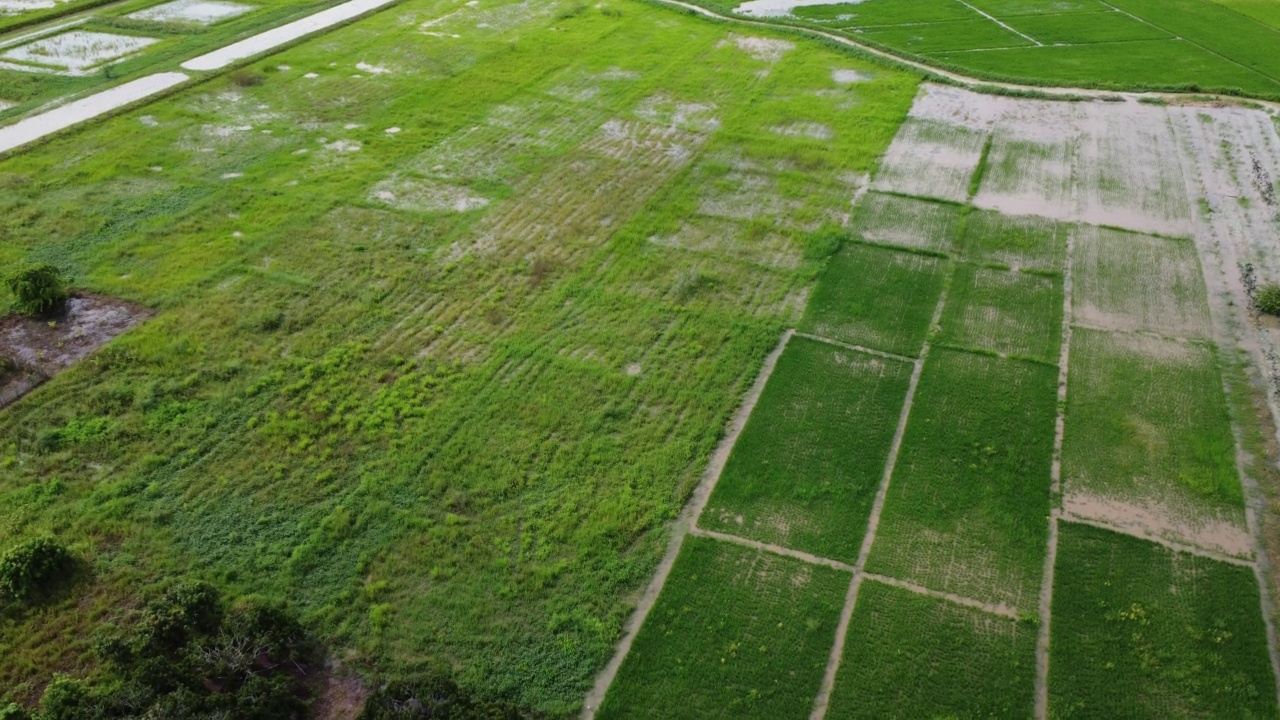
pixel 451 306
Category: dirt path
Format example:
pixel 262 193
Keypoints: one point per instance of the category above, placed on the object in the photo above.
pixel 823 698
pixel 1001 609
pixel 276 37
pixel 1055 493
pixel 855 348
pixel 60 118
pixel 684 524
pixel 771 548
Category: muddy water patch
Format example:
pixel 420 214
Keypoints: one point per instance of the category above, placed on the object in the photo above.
pixel 195 12
pixel 37 348
pixel 426 196
pixel 74 53
pixel 768 50
pixel 1161 521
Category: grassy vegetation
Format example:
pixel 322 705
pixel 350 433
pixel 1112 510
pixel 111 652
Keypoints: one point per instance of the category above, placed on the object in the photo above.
pixel 447 436
pixel 1011 313
pixel 969 499
pixel 1151 44
pixel 913 656
pixel 1146 419
pixel 1127 281
pixel 907 222
pixel 1022 241
pixel 805 470
pixel 934 159
pixel 1142 631
pixel 737 633
pixel 877 298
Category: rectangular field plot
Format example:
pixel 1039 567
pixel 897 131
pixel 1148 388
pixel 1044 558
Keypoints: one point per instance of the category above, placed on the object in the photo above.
pixel 1014 8
pixel 736 633
pixel 1087 28
pixel 912 656
pixel 805 470
pixel 197 12
pixel 1018 241
pixel 77 52
pixel 1030 177
pixel 906 222
pixel 968 504
pixel 931 158
pixel 1140 631
pixel 1148 444
pixel 973 34
pixel 1127 281
pixel 886 12
pixel 877 298
pixel 1011 313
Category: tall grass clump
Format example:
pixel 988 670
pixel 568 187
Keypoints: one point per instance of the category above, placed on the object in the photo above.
pixel 1268 299
pixel 37 288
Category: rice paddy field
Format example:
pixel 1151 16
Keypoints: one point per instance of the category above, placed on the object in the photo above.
pixel 1185 45
pixel 619 363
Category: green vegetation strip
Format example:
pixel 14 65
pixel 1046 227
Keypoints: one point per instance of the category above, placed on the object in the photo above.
pixel 807 466
pixel 737 633
pixel 968 504
pixel 1146 421
pixel 912 656
pixel 1142 631
pixel 877 298
pixel 1010 313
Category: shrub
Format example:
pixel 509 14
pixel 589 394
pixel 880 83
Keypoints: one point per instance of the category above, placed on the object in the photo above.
pixel 37 288
pixel 1268 299
pixel 13 711
pixel 437 697
pixel 31 566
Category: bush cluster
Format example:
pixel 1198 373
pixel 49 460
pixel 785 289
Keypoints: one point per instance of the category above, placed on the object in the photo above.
pixel 185 656
pixel 1268 299
pixel 37 288
pixel 437 697
pixel 30 567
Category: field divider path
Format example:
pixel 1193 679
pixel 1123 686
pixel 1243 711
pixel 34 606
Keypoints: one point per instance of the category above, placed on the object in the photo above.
pixel 1066 516
pixel 687 521
pixel 993 19
pixel 771 548
pixel 823 699
pixel 1000 609
pixel 1055 490
pixel 855 348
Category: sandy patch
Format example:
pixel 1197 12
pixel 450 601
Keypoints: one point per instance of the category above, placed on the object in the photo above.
pixel 816 131
pixel 17 7
pixel 426 196
pixel 782 8
pixel 343 146
pixel 768 50
pixel 848 77
pixel 198 12
pixel 77 52
pixel 371 69
pixel 43 347
pixel 1158 521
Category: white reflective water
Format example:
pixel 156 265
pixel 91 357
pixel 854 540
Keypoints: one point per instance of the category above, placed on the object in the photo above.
pixel 782 8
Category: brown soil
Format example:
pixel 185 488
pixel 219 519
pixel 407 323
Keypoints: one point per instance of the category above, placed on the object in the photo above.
pixel 41 347
pixel 339 696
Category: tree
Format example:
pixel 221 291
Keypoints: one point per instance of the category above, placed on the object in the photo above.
pixel 30 567
pixel 37 288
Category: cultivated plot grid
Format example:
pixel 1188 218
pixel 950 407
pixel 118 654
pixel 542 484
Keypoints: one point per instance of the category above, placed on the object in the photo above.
pixel 1077 283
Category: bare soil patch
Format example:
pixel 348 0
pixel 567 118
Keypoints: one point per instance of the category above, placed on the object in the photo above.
pixel 41 347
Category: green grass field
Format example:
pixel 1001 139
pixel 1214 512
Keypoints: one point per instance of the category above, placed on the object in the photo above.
pixel 805 470
pixel 1011 313
pixel 737 634
pixel 1146 419
pixel 1025 242
pixel 448 432
pixel 912 656
pixel 1128 44
pixel 1141 631
pixel 877 298
pixel 968 504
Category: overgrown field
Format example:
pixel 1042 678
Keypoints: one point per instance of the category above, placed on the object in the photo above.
pixel 1184 45
pixel 441 347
